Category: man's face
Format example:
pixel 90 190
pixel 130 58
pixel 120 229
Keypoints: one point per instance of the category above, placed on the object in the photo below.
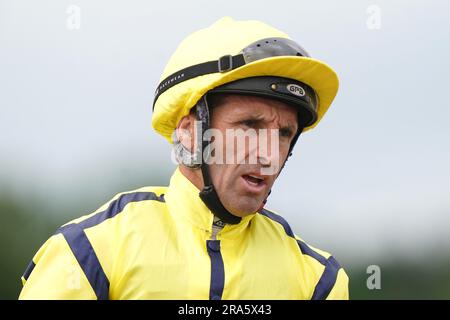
pixel 244 184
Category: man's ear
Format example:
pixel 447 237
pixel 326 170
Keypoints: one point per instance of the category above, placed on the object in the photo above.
pixel 185 131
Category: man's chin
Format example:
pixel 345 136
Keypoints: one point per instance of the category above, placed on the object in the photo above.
pixel 244 209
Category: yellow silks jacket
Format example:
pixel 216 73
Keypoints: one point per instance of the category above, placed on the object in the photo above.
pixel 158 243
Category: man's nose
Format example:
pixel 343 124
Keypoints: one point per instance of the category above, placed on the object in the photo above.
pixel 268 154
pixel 268 160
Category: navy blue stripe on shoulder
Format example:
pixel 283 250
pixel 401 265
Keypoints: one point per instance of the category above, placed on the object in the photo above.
pixel 116 207
pixel 82 248
pixel 28 270
pixel 279 219
pixel 305 249
pixel 87 259
pixel 327 280
pixel 329 276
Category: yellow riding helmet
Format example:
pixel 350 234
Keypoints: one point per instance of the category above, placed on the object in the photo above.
pixel 230 50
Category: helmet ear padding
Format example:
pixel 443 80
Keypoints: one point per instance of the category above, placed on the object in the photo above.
pixel 183 155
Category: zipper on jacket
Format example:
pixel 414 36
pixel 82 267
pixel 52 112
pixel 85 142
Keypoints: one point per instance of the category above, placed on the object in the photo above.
pixel 217 226
pixel 217 267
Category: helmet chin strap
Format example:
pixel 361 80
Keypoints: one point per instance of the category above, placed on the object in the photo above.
pixel 210 197
pixel 209 194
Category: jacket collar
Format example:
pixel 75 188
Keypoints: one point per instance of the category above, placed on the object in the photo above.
pixel 183 201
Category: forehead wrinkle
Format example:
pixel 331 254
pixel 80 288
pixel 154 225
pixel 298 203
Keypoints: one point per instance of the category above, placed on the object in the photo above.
pixel 258 108
pixel 276 117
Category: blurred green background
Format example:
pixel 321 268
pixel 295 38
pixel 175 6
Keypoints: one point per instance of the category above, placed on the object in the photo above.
pixel 371 184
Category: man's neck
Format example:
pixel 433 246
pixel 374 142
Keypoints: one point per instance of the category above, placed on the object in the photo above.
pixel 194 176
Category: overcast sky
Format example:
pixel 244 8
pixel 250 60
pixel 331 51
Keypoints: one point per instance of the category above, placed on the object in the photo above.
pixel 374 176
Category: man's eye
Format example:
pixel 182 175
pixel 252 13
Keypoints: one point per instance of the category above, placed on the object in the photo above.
pixel 285 133
pixel 249 123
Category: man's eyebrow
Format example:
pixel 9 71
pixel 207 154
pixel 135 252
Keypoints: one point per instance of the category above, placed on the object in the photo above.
pixel 258 117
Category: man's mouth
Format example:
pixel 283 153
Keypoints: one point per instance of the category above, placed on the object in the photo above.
pixel 253 179
pixel 254 183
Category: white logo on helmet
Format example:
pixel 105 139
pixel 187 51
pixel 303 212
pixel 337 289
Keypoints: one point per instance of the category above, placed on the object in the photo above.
pixel 296 90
